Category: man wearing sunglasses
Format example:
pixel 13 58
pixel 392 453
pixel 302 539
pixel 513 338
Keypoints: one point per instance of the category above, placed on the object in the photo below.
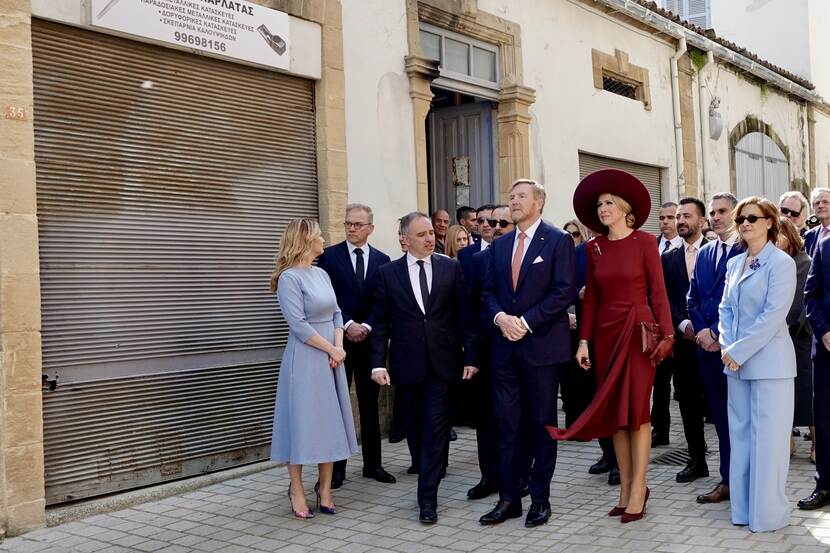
pixel 794 206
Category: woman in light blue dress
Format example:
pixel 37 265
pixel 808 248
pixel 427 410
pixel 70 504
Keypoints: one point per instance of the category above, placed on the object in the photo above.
pixel 313 416
pixel 760 365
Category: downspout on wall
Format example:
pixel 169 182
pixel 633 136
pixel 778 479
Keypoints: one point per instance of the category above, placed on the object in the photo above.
pixel 678 126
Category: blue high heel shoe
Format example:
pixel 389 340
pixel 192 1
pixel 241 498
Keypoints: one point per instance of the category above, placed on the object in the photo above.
pixel 329 510
pixel 299 514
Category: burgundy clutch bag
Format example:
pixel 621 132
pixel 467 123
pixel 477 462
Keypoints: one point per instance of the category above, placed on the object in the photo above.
pixel 651 336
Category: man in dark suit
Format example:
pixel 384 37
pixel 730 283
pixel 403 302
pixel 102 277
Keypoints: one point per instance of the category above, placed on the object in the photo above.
pixel 352 265
pixel 820 199
pixel 418 313
pixel 705 293
pixel 678 266
pixel 529 285
pixel 817 305
pixel 467 218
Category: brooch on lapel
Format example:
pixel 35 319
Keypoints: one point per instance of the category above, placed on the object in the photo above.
pixel 597 249
pixel 755 264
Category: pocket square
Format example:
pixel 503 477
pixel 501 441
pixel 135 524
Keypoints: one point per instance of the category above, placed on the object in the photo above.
pixel 537 260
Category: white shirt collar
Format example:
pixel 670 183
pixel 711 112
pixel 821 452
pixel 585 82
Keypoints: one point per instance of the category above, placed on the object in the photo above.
pixel 729 241
pixel 530 231
pixel 352 248
pixel 411 260
pixel 484 244
pixel 696 243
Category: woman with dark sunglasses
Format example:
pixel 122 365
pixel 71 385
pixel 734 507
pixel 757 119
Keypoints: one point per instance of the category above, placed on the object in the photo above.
pixel 575 229
pixel 760 362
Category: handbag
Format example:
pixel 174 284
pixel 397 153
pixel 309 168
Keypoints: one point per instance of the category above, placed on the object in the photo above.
pixel 651 336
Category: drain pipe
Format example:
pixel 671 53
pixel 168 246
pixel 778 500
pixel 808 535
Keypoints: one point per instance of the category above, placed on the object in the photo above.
pixel 704 127
pixel 678 127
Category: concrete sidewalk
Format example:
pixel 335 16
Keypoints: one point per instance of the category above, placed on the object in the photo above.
pixel 252 514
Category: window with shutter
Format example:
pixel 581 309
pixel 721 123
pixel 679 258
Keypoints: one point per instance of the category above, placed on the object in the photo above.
pixel 693 11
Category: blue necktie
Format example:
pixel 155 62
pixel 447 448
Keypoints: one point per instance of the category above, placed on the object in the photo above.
pixel 722 263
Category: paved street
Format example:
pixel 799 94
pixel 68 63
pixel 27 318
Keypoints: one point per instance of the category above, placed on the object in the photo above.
pixel 252 514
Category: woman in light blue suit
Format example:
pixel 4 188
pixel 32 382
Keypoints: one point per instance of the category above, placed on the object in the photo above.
pixel 760 365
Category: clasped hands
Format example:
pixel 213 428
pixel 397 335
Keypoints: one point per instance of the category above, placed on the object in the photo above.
pixel 336 356
pixel 707 341
pixel 730 363
pixel 357 332
pixel 511 327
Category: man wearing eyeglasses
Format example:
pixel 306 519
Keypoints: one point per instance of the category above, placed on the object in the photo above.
pixel 794 206
pixel 352 266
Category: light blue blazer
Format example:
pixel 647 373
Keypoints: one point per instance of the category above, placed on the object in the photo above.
pixel 753 315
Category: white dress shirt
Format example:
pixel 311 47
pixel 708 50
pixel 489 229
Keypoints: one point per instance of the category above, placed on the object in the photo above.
pixel 353 259
pixel 414 280
pixel 686 322
pixel 414 276
pixel 483 245
pixel 529 233
pixel 674 243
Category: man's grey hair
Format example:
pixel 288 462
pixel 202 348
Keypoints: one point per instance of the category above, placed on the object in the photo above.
pixel 728 196
pixel 668 204
pixel 407 219
pixel 363 207
pixel 805 205
pixel 816 192
pixel 538 189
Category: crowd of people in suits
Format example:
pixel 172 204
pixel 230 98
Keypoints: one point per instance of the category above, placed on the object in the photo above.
pixel 730 302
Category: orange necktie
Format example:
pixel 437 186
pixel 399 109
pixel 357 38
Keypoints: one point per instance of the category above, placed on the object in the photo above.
pixel 517 259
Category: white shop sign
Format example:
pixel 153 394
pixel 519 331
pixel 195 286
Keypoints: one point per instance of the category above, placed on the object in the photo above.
pixel 234 29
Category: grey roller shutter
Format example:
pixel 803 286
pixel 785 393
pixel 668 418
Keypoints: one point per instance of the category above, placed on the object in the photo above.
pixel 648 174
pixel 164 181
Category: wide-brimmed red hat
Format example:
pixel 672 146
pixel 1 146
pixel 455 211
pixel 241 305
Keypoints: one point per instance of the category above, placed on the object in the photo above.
pixel 610 181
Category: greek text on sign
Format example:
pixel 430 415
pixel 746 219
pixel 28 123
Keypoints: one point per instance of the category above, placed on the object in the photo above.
pixel 234 29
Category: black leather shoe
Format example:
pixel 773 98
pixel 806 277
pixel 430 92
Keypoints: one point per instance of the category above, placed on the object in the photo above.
pixel 481 490
pixel 817 499
pixel 524 487
pixel 337 480
pixel 380 475
pixel 601 466
pixel 692 471
pixel 428 514
pixel 501 512
pixel 453 435
pixel 412 470
pixel 614 477
pixel 658 439
pixel 538 514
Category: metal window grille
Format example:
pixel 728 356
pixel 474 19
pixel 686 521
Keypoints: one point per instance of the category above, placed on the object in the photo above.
pixel 612 84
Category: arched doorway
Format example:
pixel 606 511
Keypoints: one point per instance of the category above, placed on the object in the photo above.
pixel 761 167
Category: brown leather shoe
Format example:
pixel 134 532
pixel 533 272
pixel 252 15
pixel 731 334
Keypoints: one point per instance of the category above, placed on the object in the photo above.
pixel 720 493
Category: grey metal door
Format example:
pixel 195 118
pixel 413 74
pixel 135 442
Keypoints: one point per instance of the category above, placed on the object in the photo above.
pixel 164 181
pixel 459 132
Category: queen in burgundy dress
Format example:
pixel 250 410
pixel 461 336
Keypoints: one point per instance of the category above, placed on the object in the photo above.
pixel 624 288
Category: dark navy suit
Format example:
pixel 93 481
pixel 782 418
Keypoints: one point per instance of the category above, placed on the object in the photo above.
pixel 811 238
pixel 426 354
pixel 703 301
pixel 817 305
pixel 526 373
pixel 356 305
pixel 687 381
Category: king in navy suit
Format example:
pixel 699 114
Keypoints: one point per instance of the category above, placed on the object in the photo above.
pixel 352 266
pixel 705 293
pixel 528 286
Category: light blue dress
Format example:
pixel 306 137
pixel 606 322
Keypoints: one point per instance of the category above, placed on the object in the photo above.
pixel 313 414
pixel 753 331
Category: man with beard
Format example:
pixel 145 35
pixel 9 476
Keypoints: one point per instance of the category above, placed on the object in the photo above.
pixel 678 267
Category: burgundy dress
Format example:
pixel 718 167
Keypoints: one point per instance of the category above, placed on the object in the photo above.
pixel 621 277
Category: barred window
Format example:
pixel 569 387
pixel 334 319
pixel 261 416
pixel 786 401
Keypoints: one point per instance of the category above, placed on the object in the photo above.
pixel 618 86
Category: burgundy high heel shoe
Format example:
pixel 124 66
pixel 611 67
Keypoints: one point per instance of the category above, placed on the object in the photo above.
pixel 329 510
pixel 299 514
pixel 631 517
pixel 616 512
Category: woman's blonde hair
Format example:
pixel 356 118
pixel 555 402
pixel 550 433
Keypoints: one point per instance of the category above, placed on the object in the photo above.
pixel 296 242
pixel 450 246
pixel 626 208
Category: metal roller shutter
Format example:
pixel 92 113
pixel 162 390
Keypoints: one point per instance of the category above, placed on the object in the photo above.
pixel 648 174
pixel 164 180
